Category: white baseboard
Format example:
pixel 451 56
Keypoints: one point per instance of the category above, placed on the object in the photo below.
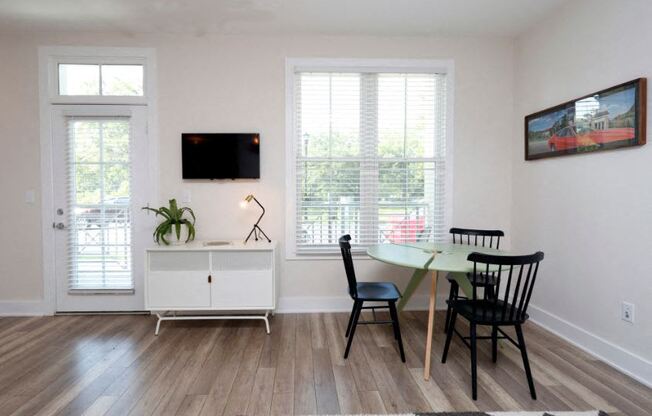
pixel 624 361
pixel 310 304
pixel 24 308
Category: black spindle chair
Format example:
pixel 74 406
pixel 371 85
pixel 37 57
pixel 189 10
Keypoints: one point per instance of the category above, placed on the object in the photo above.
pixel 368 292
pixel 471 237
pixel 517 275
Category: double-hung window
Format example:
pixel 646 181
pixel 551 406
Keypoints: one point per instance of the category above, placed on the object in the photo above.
pixel 368 154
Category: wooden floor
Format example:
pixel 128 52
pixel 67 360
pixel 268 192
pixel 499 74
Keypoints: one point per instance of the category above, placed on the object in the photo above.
pixel 114 365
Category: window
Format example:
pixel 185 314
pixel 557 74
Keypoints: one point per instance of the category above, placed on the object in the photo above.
pixel 100 79
pixel 99 186
pixel 369 157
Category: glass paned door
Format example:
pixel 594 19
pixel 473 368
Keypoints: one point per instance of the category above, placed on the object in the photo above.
pixel 100 179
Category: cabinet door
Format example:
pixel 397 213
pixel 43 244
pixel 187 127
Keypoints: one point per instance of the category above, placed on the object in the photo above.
pixel 242 280
pixel 179 290
pixel 242 289
pixel 178 280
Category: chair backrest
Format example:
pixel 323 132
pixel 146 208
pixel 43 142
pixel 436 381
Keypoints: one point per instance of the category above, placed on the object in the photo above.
pixel 513 275
pixel 345 247
pixel 470 236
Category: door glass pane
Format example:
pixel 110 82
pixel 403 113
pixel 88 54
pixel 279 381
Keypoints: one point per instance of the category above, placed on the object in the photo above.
pixel 79 79
pixel 125 80
pixel 99 194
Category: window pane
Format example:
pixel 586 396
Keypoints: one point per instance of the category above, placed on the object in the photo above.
pixel 419 116
pixel 345 115
pixel 391 115
pixel 100 226
pixel 329 205
pixel 369 162
pixel 329 117
pixel 314 127
pixel 79 79
pixel 125 80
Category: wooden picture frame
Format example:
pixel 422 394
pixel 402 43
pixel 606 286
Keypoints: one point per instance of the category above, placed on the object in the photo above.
pixel 608 119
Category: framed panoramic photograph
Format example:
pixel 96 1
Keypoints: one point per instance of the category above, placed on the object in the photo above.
pixel 607 119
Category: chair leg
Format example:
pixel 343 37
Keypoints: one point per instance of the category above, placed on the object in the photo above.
pixel 452 296
pixel 356 316
pixel 392 318
pixel 490 292
pixel 526 361
pixel 474 363
pixel 348 327
pixel 397 328
pixel 494 343
pixel 449 336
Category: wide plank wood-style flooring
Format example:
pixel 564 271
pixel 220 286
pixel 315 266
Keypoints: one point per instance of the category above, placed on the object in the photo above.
pixel 115 365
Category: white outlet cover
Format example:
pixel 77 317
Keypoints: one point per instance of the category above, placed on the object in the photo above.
pixel 186 196
pixel 627 312
pixel 30 197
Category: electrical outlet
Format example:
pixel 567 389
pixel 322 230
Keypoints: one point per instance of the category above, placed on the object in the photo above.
pixel 627 312
pixel 30 197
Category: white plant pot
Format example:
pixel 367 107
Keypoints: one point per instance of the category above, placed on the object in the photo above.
pixel 172 237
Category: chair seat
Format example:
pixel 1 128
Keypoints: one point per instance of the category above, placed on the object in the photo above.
pixel 487 313
pixel 480 281
pixel 377 291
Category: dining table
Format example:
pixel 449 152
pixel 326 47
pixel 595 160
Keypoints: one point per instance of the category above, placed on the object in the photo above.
pixel 429 258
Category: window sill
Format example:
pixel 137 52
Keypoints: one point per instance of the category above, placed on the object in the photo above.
pixel 324 256
pixel 101 291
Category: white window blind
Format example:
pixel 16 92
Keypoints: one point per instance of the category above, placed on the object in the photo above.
pixel 99 182
pixel 370 154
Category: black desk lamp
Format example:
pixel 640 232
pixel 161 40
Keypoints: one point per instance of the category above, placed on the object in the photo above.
pixel 255 230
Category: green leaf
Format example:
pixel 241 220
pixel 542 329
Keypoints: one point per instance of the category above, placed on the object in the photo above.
pixel 191 230
pixel 188 210
pixel 174 211
pixel 157 212
pixel 164 230
pixel 167 212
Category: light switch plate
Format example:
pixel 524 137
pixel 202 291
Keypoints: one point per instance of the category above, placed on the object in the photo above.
pixel 186 196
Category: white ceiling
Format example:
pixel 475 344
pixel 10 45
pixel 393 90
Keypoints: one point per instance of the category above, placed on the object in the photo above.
pixel 332 17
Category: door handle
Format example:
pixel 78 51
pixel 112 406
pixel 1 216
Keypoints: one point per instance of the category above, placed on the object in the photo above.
pixel 210 279
pixel 58 225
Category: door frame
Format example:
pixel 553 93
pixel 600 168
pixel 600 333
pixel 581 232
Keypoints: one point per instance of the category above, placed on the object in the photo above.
pixel 48 57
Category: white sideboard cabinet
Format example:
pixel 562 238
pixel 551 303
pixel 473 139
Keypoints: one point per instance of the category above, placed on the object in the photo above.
pixel 185 281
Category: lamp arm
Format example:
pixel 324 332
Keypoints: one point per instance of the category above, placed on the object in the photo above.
pixel 262 207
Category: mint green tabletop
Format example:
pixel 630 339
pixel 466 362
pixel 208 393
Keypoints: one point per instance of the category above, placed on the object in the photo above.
pixel 448 257
pixel 424 257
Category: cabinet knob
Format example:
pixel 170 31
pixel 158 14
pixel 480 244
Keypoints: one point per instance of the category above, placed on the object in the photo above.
pixel 210 279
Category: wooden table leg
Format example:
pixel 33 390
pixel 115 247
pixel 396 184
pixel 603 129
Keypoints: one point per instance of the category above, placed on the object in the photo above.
pixel 431 322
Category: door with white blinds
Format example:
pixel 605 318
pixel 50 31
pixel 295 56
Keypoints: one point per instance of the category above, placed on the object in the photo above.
pixel 100 166
pixel 369 158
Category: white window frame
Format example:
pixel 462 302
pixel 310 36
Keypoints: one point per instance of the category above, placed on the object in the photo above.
pixel 49 59
pixel 98 56
pixel 294 65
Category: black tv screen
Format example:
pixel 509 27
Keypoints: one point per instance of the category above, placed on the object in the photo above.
pixel 220 155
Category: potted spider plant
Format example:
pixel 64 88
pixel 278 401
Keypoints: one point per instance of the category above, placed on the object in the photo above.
pixel 173 220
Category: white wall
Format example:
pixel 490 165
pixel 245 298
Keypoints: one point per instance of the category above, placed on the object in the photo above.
pixel 236 83
pixel 591 214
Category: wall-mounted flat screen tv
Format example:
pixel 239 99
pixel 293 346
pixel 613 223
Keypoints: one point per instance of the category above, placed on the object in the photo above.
pixel 220 155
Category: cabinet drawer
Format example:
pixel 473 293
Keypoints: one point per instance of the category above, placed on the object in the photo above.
pixel 178 290
pixel 242 260
pixel 240 288
pixel 179 261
